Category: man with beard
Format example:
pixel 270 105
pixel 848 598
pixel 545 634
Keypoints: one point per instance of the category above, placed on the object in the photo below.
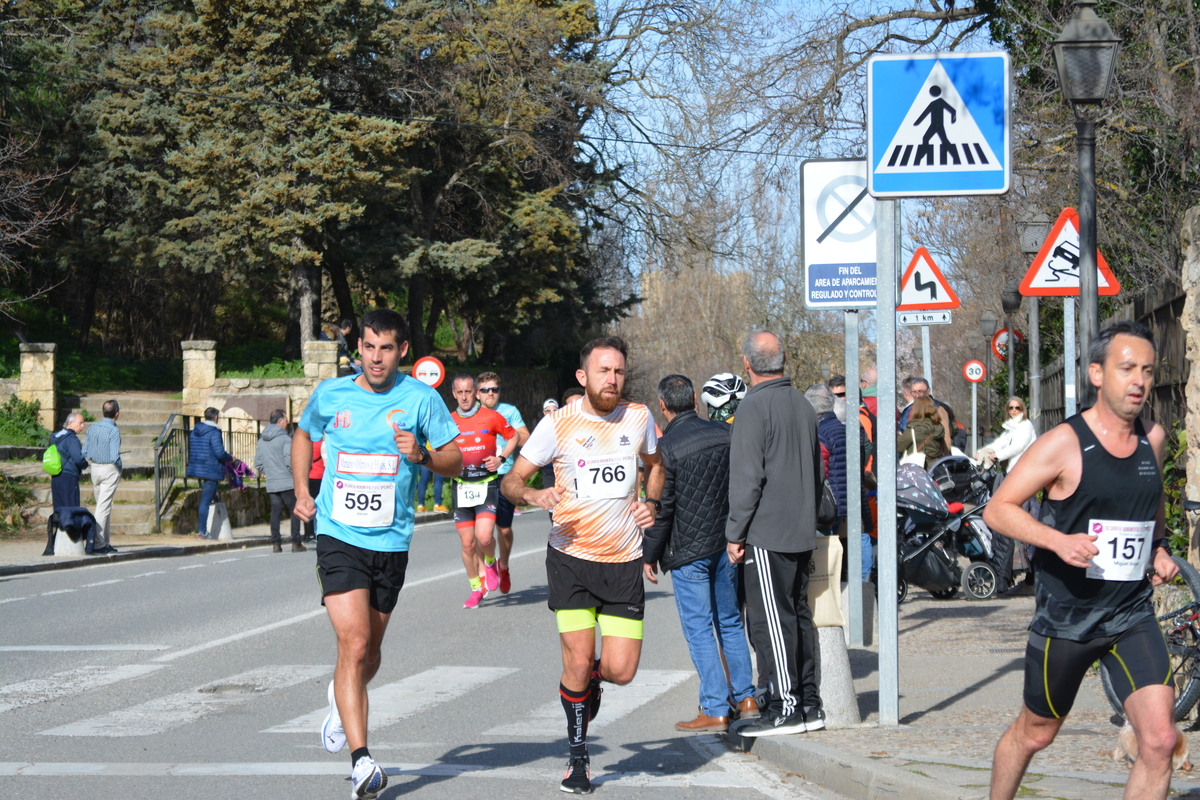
pixel 1101 546
pixel 373 427
pixel 594 562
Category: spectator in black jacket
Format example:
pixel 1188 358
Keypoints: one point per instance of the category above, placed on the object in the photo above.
pixel 64 487
pixel 832 433
pixel 688 538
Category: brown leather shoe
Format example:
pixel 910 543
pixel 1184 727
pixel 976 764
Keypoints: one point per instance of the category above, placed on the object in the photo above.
pixel 703 722
pixel 299 548
pixel 276 548
pixel 747 709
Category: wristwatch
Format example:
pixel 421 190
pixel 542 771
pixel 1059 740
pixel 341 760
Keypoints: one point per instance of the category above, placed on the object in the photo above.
pixel 425 456
pixel 1164 543
pixel 656 503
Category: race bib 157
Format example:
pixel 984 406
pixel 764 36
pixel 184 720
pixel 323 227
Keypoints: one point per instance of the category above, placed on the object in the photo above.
pixel 1124 549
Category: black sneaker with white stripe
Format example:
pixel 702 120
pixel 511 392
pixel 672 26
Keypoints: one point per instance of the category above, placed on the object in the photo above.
pixel 578 779
pixel 814 719
pixel 772 723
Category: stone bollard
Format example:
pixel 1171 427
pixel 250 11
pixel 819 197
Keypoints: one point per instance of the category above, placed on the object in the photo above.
pixel 64 545
pixel 837 683
pixel 320 360
pixel 199 374
pixel 218 522
pixel 868 610
pixel 37 380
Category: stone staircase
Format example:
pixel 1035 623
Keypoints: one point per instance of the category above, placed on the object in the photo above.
pixel 143 415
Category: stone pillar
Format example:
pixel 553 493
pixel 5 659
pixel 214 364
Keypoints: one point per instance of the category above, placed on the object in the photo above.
pixel 199 374
pixel 1191 325
pixel 37 380
pixel 320 360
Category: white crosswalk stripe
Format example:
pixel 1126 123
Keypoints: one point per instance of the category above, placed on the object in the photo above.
pixel 548 720
pixel 394 701
pixel 171 711
pixel 68 683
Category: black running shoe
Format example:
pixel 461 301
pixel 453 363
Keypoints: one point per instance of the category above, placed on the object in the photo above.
pixel 578 779
pixel 773 724
pixel 814 719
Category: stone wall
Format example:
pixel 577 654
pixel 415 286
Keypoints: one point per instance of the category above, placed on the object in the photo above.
pixel 249 506
pixel 251 398
pixel 37 380
pixel 8 387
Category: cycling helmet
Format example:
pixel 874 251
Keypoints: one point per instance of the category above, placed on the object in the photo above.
pixel 722 394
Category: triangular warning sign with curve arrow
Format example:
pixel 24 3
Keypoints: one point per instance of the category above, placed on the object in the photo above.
pixel 1055 269
pixel 924 287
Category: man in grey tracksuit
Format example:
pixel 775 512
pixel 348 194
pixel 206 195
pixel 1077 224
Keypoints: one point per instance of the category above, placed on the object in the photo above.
pixel 774 486
pixel 273 457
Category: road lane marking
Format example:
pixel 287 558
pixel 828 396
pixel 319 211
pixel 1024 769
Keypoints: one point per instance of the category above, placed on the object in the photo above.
pixel 317 612
pixel 66 684
pixel 56 591
pixel 226 560
pixel 393 702
pixel 12 599
pixel 547 720
pixel 192 566
pixel 102 583
pixel 77 648
pixel 171 711
pixel 147 574
pixel 715 779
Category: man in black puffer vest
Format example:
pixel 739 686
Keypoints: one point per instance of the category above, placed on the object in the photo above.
pixel 688 538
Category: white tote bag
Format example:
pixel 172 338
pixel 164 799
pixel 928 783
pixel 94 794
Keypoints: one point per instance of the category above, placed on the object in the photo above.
pixel 913 456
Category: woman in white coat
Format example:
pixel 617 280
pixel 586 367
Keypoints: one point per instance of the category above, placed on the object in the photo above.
pixel 1017 437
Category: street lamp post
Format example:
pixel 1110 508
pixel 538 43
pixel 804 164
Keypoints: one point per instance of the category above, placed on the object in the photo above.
pixel 1033 226
pixel 1086 56
pixel 1010 299
pixel 987 326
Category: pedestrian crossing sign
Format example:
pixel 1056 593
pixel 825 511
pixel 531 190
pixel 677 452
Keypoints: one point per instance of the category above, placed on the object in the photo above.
pixel 939 124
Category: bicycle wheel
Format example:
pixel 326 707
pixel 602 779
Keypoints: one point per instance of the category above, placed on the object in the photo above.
pixel 1182 637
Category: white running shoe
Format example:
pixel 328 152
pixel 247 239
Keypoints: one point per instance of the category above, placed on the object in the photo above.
pixel 332 735
pixel 367 779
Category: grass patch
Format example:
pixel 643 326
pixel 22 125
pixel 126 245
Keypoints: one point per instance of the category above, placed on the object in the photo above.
pixel 19 424
pixel 258 360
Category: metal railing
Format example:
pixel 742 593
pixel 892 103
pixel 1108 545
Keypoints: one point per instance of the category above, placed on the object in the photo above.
pixel 242 444
pixel 170 463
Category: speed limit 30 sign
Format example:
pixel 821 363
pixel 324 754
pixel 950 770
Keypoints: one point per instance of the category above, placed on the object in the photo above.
pixel 974 371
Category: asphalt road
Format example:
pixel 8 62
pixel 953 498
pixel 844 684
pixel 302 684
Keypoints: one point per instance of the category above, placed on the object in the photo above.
pixel 205 676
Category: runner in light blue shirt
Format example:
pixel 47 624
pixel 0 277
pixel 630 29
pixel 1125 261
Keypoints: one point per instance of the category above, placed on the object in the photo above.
pixel 374 426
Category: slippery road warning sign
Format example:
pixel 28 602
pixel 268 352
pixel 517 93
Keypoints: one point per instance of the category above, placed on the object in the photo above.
pixel 1055 269
pixel 938 124
pixel 924 287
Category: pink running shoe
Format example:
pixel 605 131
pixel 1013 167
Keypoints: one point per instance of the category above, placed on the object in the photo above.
pixel 491 576
pixel 476 598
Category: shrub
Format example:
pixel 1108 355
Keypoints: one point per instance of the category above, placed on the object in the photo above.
pixel 19 424
pixel 12 496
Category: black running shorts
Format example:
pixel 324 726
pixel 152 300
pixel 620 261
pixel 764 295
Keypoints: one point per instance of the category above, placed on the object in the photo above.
pixel 342 567
pixel 1054 668
pixel 465 517
pixel 614 590
pixel 504 512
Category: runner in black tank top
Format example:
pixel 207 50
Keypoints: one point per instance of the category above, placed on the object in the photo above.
pixel 1100 538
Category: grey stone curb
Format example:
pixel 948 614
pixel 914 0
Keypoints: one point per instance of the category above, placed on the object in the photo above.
pixel 854 776
pixel 136 555
pixel 167 552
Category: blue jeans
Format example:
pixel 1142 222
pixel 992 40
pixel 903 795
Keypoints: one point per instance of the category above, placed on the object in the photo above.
pixel 208 493
pixel 868 556
pixel 423 484
pixel 706 596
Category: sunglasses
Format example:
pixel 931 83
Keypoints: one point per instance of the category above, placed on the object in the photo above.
pixel 839 394
pixel 1014 408
pixel 490 390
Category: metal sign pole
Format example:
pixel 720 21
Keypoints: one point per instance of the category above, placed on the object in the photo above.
pixel 854 522
pixel 1070 379
pixel 974 418
pixel 926 357
pixel 888 237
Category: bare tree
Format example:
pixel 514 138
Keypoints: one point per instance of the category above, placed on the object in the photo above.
pixel 26 216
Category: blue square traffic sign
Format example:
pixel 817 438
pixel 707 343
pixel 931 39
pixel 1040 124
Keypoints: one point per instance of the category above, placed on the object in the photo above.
pixel 939 124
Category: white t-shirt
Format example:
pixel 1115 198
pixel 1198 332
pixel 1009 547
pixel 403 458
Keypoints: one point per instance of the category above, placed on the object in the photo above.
pixel 595 464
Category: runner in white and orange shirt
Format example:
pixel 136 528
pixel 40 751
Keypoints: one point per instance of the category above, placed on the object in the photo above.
pixel 593 564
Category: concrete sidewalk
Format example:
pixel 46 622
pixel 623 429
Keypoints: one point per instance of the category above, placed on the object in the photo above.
pixel 961 678
pixel 24 555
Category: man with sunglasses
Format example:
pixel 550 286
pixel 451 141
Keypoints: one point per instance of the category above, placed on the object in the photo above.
pixel 489 397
